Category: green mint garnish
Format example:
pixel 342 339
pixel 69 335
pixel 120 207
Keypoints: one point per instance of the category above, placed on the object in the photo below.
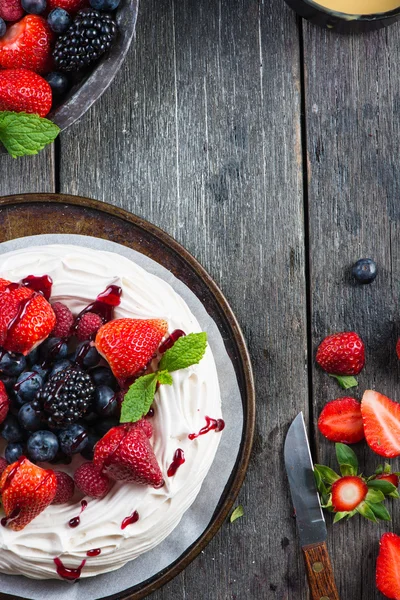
pixel 23 134
pixel 187 351
pixel 345 381
pixel 237 513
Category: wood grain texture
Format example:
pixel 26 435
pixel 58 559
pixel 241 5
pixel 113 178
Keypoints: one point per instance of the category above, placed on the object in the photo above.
pixel 200 133
pixel 320 573
pixel 28 174
pixel 353 143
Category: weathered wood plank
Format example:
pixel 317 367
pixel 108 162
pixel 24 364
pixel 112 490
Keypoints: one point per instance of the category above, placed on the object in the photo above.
pixel 200 134
pixel 352 107
pixel 28 174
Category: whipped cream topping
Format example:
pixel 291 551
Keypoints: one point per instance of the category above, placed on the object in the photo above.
pixel 79 274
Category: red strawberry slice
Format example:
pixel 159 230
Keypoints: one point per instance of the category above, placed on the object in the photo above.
pixel 388 566
pixel 71 6
pixel 347 493
pixel 11 10
pixel 26 319
pixel 125 454
pixel 4 402
pixel 341 353
pixel 26 490
pixel 381 418
pixel 128 345
pixel 392 478
pixel 341 421
pixel 24 91
pixel 27 45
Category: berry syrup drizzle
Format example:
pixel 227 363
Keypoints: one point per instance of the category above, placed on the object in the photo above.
pixel 76 520
pixel 94 552
pixel 11 474
pixel 179 459
pixel 19 383
pixel 43 284
pixel 68 573
pixel 21 312
pixel 133 518
pixel 103 306
pixel 212 425
pixel 170 340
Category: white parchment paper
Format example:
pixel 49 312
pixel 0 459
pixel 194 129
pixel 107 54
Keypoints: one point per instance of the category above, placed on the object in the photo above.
pixel 197 518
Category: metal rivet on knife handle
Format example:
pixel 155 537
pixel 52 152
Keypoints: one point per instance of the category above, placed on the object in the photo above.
pixel 317 568
pixel 324 598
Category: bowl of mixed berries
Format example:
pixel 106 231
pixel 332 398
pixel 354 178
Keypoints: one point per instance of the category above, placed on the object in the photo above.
pixel 56 59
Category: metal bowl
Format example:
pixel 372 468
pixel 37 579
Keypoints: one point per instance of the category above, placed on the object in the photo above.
pixel 85 93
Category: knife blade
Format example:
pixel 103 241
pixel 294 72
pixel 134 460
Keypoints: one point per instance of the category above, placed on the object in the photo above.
pixel 309 516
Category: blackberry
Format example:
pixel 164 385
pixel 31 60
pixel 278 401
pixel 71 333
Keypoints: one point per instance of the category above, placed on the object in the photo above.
pixel 65 398
pixel 91 34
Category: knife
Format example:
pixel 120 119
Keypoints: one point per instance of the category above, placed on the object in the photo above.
pixel 309 516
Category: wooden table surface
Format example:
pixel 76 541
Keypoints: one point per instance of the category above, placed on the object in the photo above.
pixel 270 149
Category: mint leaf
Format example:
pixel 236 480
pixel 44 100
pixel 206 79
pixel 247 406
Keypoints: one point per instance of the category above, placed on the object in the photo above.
pixel 187 350
pixel 237 513
pixel 24 134
pixel 138 398
pixel 164 377
pixel 345 381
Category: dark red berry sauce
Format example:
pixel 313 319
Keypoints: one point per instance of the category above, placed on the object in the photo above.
pixel 76 520
pixel 69 573
pixel 94 552
pixel 179 459
pixel 133 518
pixel 103 306
pixel 170 340
pixel 212 425
pixel 43 284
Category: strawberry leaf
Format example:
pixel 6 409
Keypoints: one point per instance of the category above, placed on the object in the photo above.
pixel 380 512
pixel 345 381
pixel 339 516
pixel 237 513
pixel 164 377
pixel 321 487
pixel 187 350
pixel 366 511
pixel 346 456
pixel 25 134
pixel 347 470
pixel 138 399
pixel 374 496
pixel 382 485
pixel 327 475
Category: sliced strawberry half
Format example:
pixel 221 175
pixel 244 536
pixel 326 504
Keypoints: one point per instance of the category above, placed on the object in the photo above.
pixel 341 421
pixel 128 345
pixel 381 418
pixel 27 45
pixel 388 566
pixel 347 493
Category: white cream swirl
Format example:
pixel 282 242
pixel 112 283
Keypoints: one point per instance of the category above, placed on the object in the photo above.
pixel 79 275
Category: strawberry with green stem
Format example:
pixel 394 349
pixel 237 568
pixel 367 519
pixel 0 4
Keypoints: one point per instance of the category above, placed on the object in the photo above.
pixel 351 493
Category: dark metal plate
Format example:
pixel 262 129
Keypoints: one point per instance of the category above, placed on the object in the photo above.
pixel 34 214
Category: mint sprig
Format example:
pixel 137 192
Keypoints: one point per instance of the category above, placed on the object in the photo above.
pixel 25 134
pixel 187 351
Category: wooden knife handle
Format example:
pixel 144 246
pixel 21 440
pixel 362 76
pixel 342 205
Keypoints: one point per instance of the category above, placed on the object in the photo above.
pixel 320 572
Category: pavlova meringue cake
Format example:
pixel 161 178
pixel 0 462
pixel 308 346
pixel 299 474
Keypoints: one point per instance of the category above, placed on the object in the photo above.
pixel 144 473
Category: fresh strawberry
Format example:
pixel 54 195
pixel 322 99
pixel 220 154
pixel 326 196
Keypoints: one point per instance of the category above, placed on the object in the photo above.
pixel 129 344
pixel 11 10
pixel 71 6
pixel 388 566
pixel 4 402
pixel 3 465
pixel 27 45
pixel 125 454
pixel 381 418
pixel 4 284
pixel 88 326
pixel 26 319
pixel 347 493
pixel 92 482
pixel 341 353
pixel 341 421
pixel 391 478
pixel 24 91
pixel 64 320
pixel 65 488
pixel 26 490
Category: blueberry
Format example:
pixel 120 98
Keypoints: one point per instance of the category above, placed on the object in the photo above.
pixel 3 28
pixel 87 359
pixel 40 370
pixel 28 384
pixel 60 366
pixel 33 356
pixel 12 364
pixel 11 429
pixel 91 417
pixel 88 450
pixel 34 7
pixel 52 350
pixel 28 418
pixel 364 270
pixel 73 439
pixel 104 4
pixel 105 401
pixel 105 425
pixel 103 376
pixel 17 402
pixel 59 20
pixel 58 82
pixel 42 446
pixel 13 451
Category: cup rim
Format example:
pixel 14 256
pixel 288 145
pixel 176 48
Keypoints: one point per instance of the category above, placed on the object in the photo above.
pixel 354 17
